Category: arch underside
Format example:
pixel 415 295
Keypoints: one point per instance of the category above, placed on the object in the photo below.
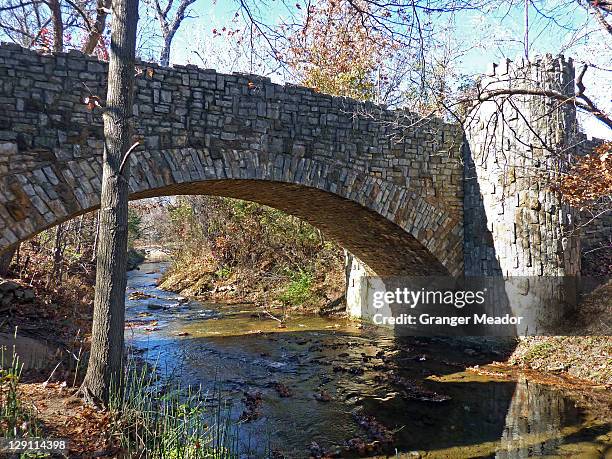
pixel 385 247
pixel 393 230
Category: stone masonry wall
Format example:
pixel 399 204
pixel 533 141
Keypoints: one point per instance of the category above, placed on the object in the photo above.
pixel 393 196
pixel 515 224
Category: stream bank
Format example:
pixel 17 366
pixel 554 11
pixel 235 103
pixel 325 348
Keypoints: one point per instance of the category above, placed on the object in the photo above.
pixel 316 290
pixel 587 356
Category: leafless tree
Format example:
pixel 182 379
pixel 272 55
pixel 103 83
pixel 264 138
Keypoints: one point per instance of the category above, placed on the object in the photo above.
pixel 96 29
pixel 106 357
pixel 169 20
pixel 55 24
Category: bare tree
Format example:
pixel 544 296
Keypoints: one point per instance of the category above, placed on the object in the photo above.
pixel 54 24
pixel 58 254
pixel 600 11
pixel 58 25
pixel 105 362
pixel 25 22
pixel 96 29
pixel 169 23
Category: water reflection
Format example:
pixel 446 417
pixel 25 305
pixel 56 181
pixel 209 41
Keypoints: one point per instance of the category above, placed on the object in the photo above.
pixel 340 378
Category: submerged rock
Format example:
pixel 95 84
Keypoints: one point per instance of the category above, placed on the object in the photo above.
pixel 253 403
pixel 282 389
pixel 413 390
pixel 323 396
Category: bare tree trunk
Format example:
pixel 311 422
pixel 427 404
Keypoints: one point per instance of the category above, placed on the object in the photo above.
pixel 97 230
pixel 164 58
pixel 169 27
pixel 56 271
pixel 5 259
pixel 105 362
pixel 58 25
pixel 79 235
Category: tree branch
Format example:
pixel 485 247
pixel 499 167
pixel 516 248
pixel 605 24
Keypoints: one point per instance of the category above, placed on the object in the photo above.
pixel 97 30
pixel 586 104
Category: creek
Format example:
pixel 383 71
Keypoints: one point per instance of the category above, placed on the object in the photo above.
pixel 321 383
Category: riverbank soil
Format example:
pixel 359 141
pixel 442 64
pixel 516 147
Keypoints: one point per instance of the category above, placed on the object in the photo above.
pixel 315 291
pixel 57 319
pixel 49 330
pixel 47 323
pixel 589 356
pixel 61 414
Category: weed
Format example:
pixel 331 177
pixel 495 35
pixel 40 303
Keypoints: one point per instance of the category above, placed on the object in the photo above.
pixel 223 272
pixel 17 420
pixel 169 421
pixel 298 290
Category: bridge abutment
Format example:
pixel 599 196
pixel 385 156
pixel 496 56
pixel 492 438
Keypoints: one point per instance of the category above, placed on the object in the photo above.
pixel 516 226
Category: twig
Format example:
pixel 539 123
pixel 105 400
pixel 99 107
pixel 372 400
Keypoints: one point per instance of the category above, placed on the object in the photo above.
pixel 126 157
pixel 274 317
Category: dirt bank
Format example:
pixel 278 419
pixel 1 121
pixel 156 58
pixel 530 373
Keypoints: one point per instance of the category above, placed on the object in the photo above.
pixel 587 356
pixel 313 291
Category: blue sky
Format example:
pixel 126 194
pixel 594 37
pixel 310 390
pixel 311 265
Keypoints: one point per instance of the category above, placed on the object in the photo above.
pixel 470 24
pixel 492 35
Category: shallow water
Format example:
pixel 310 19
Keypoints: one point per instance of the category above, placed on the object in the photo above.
pixel 415 387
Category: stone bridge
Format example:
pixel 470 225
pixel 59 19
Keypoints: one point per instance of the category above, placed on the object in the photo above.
pixel 390 188
pixel 391 195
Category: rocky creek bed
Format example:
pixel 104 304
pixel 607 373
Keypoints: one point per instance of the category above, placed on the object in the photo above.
pixel 332 388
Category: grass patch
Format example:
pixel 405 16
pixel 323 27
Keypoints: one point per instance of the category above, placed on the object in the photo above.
pixel 223 272
pixel 298 291
pixel 169 421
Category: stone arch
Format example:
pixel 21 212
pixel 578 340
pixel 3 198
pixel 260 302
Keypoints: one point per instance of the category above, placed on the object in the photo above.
pixel 366 215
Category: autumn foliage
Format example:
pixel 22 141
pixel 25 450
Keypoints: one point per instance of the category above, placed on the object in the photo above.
pixel 337 51
pixel 589 180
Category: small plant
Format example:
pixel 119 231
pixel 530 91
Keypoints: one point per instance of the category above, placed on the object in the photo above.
pixel 223 272
pixel 298 290
pixel 540 350
pixel 17 420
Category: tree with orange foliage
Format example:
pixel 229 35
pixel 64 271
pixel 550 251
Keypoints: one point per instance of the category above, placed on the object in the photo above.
pixel 337 51
pixel 588 183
